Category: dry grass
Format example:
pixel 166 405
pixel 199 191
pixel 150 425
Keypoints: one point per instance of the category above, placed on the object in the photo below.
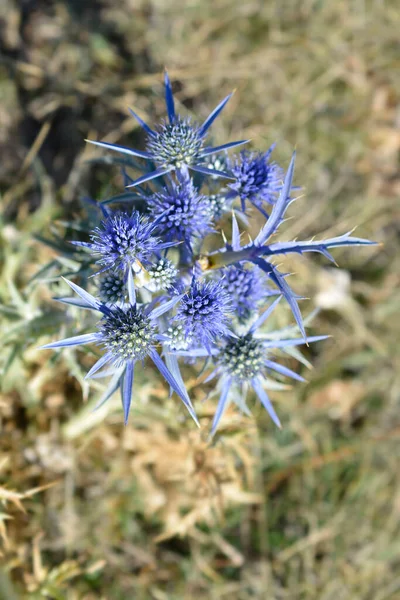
pixel 152 512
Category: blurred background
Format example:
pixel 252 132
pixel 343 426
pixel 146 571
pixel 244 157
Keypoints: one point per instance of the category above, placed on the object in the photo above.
pixel 89 509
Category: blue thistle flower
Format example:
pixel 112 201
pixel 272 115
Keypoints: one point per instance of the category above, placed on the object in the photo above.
pixel 128 334
pixel 204 311
pixel 243 361
pixel 112 288
pixel 186 214
pixel 163 274
pixel 257 179
pixel 125 241
pixel 177 143
pixel 246 288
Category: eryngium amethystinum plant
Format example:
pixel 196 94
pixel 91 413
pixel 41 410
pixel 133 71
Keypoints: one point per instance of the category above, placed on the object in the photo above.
pixel 160 295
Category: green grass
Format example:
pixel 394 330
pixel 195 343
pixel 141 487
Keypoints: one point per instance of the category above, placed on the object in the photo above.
pixel 324 519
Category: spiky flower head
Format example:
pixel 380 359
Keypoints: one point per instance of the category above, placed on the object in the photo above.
pixel 123 241
pixel 178 339
pixel 242 358
pixel 204 311
pixel 112 287
pixel 127 333
pixel 257 178
pixel 217 162
pixel 163 274
pixel 177 144
pixel 186 213
pixel 246 288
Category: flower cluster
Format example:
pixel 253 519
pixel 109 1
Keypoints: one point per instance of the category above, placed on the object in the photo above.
pixel 165 293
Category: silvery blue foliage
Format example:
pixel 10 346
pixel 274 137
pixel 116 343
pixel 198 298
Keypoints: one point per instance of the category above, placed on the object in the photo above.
pixel 165 293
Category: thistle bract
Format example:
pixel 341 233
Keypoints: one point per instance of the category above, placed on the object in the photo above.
pixel 169 290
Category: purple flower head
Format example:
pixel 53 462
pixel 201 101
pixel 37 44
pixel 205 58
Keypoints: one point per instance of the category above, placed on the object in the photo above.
pixel 176 143
pixel 204 312
pixel 257 179
pixel 246 288
pixel 112 287
pixel 244 360
pixel 128 334
pixel 186 214
pixel 124 241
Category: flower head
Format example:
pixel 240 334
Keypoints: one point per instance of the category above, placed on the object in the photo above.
pixel 257 179
pixel 242 358
pixel 176 143
pixel 163 274
pixel 245 361
pixel 177 338
pixel 124 241
pixel 128 334
pixel 112 287
pixel 219 204
pixel 204 311
pixel 246 288
pixel 186 214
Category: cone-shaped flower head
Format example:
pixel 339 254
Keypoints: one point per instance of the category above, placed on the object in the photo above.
pixel 128 334
pixel 242 358
pixel 112 287
pixel 123 241
pixel 204 311
pixel 246 288
pixel 186 214
pixel 163 274
pixel 177 143
pixel 257 179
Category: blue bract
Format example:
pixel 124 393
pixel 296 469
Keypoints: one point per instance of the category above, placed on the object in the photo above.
pixel 176 143
pixel 128 335
pixel 169 290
